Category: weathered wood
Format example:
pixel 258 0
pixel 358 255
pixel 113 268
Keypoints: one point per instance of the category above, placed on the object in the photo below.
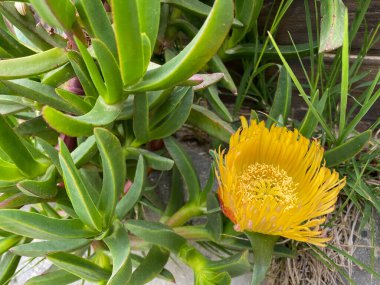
pixel 294 22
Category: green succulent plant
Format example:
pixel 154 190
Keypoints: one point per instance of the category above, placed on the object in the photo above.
pixel 91 95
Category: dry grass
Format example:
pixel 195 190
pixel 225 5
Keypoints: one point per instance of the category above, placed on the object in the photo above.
pixel 307 269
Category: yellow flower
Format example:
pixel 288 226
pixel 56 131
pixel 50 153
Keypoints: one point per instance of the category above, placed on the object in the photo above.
pixel 272 182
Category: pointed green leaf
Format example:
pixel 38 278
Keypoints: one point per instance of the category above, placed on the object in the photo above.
pixel 153 160
pixel 46 187
pixel 185 166
pixel 38 226
pixel 92 68
pixel 196 54
pixel 101 114
pixel 157 234
pixel 118 244
pixel 76 102
pixel 348 149
pixel 288 51
pixel 8 265
pixel 151 266
pixel 93 12
pixel 58 76
pixel 149 19
pixel 32 64
pixel 175 119
pixel 60 14
pixel 208 122
pixel 43 94
pixel 26 24
pixel 10 44
pixel 128 38
pixel 214 220
pixel 171 103
pixel 134 193
pixel 110 71
pixel 42 248
pixel 332 25
pixel 66 124
pixel 114 172
pixel 77 191
pixel 17 151
pixel 8 242
pixel 212 96
pixel 9 172
pixel 282 98
pixel 57 277
pixel 141 118
pixel 79 266
pixel 247 12
pixel 83 74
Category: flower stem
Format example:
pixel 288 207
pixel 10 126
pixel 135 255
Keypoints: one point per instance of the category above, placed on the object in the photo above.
pixel 184 214
pixel 262 246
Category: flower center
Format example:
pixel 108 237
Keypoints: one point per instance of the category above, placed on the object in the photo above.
pixel 262 181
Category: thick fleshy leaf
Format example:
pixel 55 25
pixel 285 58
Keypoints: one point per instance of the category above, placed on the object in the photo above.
pixel 129 39
pixel 32 64
pixel 76 102
pixel 118 244
pixel 197 8
pixel 247 12
pixel 92 68
pixel 141 118
pixel 212 96
pixel 151 266
pixel 8 242
pixel 156 233
pixel 101 114
pixel 79 266
pixel 84 76
pixel 85 151
pixel 58 76
pixel 11 45
pixel 8 266
pixel 43 94
pixel 332 25
pixel 93 13
pixel 17 200
pixel 235 265
pixel 42 248
pixel 110 71
pixel 134 193
pixel 348 149
pixel 9 172
pixel 16 149
pixel 114 172
pixel 153 160
pixel 38 226
pixel 208 122
pixel 11 104
pixel 214 220
pixel 282 99
pixel 60 14
pixel 149 20
pixel 77 190
pixel 195 55
pixel 288 51
pixel 46 187
pixel 27 25
pixel 175 119
pixel 185 166
pixel 57 277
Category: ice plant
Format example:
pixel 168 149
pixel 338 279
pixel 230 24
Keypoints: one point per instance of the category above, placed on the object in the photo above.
pixel 273 182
